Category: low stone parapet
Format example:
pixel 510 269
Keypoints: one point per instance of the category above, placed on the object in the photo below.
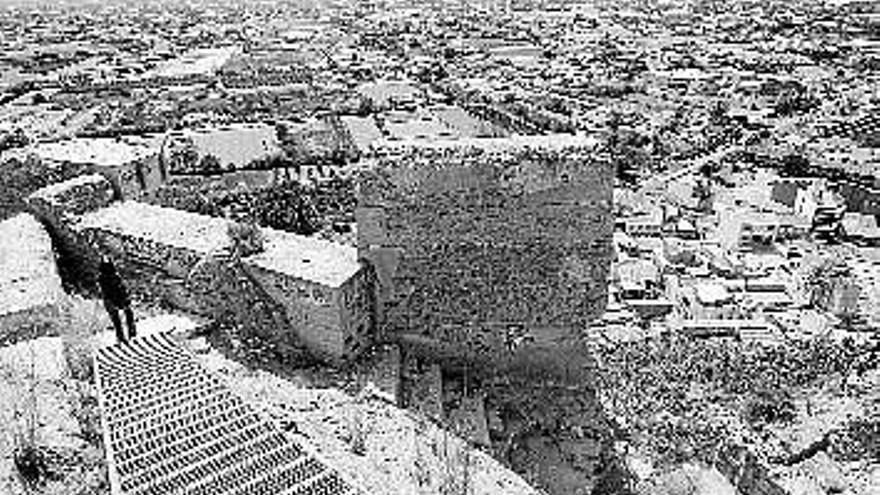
pixel 30 287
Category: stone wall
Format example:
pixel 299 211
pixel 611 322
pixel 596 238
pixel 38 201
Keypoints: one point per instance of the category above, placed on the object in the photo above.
pixel 471 237
pixel 196 271
pixel 187 261
pixel 357 306
pixel 317 324
pixel 59 207
pixel 30 288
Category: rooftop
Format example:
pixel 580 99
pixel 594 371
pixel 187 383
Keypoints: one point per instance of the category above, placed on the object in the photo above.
pixel 711 293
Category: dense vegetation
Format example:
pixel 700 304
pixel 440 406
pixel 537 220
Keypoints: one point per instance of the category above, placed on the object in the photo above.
pixel 287 206
pixel 21 177
pixel 676 391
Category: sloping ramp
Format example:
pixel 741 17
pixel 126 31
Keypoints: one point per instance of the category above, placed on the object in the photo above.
pixel 172 428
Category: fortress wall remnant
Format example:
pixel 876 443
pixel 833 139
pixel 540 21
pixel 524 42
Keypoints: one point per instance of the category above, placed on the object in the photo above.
pixel 132 168
pixel 187 260
pixel 59 206
pixel 323 288
pixel 487 239
pixel 30 288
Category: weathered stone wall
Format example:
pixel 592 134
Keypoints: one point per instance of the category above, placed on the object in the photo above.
pixel 316 323
pixel 136 179
pixel 58 207
pixel 73 197
pixel 186 278
pixel 469 237
pixel 187 261
pixel 30 288
pixel 357 306
pixel 203 277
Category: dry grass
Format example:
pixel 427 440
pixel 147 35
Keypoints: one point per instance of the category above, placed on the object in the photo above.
pixel 29 459
pixel 81 320
pixel 44 468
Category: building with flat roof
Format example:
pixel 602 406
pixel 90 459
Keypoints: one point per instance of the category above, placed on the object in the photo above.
pixel 861 228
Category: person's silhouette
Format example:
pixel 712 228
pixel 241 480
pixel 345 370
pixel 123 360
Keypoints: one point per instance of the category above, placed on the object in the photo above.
pixel 115 299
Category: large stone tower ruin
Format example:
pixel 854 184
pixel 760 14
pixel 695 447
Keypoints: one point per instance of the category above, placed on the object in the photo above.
pixel 474 240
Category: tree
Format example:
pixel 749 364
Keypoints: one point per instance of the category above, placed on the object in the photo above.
pixel 183 158
pixel 795 166
pixel 247 239
pixel 287 207
pixel 703 193
pixel 210 164
pixel 365 108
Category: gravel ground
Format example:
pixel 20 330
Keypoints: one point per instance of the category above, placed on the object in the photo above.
pixel 401 452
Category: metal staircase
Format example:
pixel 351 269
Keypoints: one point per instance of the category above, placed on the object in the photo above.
pixel 171 427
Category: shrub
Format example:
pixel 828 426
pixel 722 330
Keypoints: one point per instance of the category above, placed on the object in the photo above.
pixel 246 238
pixel 770 407
pixel 30 464
pixel 859 440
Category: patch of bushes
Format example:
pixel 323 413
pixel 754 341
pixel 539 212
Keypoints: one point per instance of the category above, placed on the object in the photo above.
pixel 768 406
pixel 285 206
pixel 860 440
pixel 30 462
pixel 246 238
pixel 23 177
pixel 84 407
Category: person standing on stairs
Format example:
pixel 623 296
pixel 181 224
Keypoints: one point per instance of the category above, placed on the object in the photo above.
pixel 116 299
